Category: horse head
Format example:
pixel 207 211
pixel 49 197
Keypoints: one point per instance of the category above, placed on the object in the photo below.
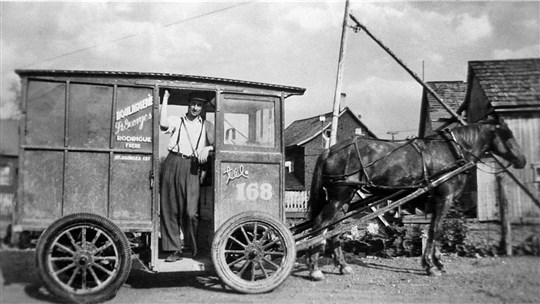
pixel 504 144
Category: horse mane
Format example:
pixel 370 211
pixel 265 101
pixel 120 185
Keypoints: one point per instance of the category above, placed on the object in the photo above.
pixel 471 134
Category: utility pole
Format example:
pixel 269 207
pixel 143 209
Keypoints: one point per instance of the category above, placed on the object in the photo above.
pixel 392 133
pixel 337 93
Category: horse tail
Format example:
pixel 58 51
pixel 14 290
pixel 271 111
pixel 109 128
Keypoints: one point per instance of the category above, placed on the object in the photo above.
pixel 317 195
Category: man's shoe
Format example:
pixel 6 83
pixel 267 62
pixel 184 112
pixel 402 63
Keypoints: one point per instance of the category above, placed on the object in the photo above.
pixel 176 256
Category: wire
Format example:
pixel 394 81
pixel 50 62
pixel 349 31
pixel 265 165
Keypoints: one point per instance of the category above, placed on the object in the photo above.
pixel 145 32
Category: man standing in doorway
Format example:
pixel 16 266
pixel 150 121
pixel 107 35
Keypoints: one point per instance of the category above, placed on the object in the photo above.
pixel 191 141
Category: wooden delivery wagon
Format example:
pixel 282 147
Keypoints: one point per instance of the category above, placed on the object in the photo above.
pixel 90 156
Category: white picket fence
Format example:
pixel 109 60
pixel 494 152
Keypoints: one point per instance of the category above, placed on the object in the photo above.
pixel 296 201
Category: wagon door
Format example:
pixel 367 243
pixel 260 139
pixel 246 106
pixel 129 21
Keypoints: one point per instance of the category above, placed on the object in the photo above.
pixel 249 156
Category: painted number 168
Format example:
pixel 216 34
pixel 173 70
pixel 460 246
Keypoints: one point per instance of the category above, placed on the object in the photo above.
pixel 253 191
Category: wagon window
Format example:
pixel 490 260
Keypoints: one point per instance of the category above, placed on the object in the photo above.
pixel 90 116
pixel 249 123
pixel 46 104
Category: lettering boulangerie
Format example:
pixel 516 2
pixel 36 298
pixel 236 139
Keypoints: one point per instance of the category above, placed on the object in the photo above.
pixel 123 122
pixel 134 108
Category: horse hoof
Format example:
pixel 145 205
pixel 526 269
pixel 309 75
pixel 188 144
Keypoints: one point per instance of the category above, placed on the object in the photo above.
pixel 434 272
pixel 316 275
pixel 346 269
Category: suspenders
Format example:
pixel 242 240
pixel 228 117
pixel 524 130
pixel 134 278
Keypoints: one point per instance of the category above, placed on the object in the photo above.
pixel 189 139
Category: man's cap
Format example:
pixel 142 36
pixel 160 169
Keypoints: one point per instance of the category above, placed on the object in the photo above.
pixel 197 95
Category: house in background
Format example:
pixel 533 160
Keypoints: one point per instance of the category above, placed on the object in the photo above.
pixel 304 140
pixel 9 150
pixel 433 116
pixel 510 88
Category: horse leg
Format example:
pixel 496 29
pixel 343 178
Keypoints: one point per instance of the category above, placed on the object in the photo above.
pixel 331 212
pixel 339 258
pixel 430 261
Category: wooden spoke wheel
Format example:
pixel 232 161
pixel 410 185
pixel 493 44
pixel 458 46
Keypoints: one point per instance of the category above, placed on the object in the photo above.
pixel 253 252
pixel 83 258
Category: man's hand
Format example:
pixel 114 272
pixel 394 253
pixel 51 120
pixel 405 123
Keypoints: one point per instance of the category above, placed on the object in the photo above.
pixel 203 156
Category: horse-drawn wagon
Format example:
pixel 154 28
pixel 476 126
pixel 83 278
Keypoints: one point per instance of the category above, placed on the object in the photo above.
pixel 90 161
pixel 89 164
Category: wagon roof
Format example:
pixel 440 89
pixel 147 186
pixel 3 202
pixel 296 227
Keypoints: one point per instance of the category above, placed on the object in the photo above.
pixel 165 76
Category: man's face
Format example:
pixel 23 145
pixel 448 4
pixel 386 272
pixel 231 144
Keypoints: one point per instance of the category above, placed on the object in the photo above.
pixel 195 107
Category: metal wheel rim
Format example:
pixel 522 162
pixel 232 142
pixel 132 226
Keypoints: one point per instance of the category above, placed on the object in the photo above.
pixel 83 259
pixel 254 252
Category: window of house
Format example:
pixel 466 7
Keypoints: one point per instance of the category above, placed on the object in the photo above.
pixel 5 175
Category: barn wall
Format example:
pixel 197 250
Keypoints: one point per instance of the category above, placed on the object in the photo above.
pixel 521 207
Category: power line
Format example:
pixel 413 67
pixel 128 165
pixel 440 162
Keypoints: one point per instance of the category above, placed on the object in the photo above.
pixel 145 32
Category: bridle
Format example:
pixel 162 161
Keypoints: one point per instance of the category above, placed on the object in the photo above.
pixel 464 151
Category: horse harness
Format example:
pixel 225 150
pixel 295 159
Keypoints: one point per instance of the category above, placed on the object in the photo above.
pixel 419 145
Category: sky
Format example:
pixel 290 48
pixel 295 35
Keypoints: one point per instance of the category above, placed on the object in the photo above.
pixel 287 43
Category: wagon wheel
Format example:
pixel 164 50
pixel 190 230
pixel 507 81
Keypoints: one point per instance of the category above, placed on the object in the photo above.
pixel 253 252
pixel 83 258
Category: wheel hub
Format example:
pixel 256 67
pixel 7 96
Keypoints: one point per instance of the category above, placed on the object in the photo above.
pixel 84 254
pixel 254 252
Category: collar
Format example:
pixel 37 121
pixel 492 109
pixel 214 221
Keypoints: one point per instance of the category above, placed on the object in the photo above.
pixel 198 118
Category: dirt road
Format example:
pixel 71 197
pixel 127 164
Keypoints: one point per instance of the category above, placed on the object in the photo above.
pixel 376 280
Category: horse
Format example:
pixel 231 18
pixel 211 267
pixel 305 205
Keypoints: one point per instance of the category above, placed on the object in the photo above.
pixel 380 165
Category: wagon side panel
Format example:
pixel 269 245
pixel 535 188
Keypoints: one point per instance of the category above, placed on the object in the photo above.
pixel 87 147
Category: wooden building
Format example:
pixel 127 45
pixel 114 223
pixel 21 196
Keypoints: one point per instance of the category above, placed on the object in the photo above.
pixel 433 116
pixel 9 143
pixel 304 140
pixel 511 88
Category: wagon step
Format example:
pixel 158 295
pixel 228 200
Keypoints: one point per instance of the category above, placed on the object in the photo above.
pixel 186 264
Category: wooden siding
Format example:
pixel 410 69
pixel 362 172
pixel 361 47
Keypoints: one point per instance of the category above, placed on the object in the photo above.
pixel 522 208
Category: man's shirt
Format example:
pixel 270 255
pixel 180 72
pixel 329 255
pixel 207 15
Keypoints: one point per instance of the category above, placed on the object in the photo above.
pixel 190 132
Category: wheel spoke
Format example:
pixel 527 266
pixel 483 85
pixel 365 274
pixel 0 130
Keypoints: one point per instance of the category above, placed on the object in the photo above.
pixel 94 275
pixel 263 269
pixel 83 283
pixel 102 269
pixel 271 243
pixel 73 275
pixel 237 241
pixel 245 235
pixel 106 258
pixel 61 259
pixel 71 239
pixel 234 251
pixel 244 267
pixel 252 271
pixel 236 261
pixel 65 249
pixel 83 236
pixel 271 263
pixel 98 234
pixel 265 234
pixel 254 232
pixel 100 249
pixel 65 268
pixel 274 253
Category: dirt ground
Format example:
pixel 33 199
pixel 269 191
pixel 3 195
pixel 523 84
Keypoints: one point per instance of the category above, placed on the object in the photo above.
pixel 375 280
